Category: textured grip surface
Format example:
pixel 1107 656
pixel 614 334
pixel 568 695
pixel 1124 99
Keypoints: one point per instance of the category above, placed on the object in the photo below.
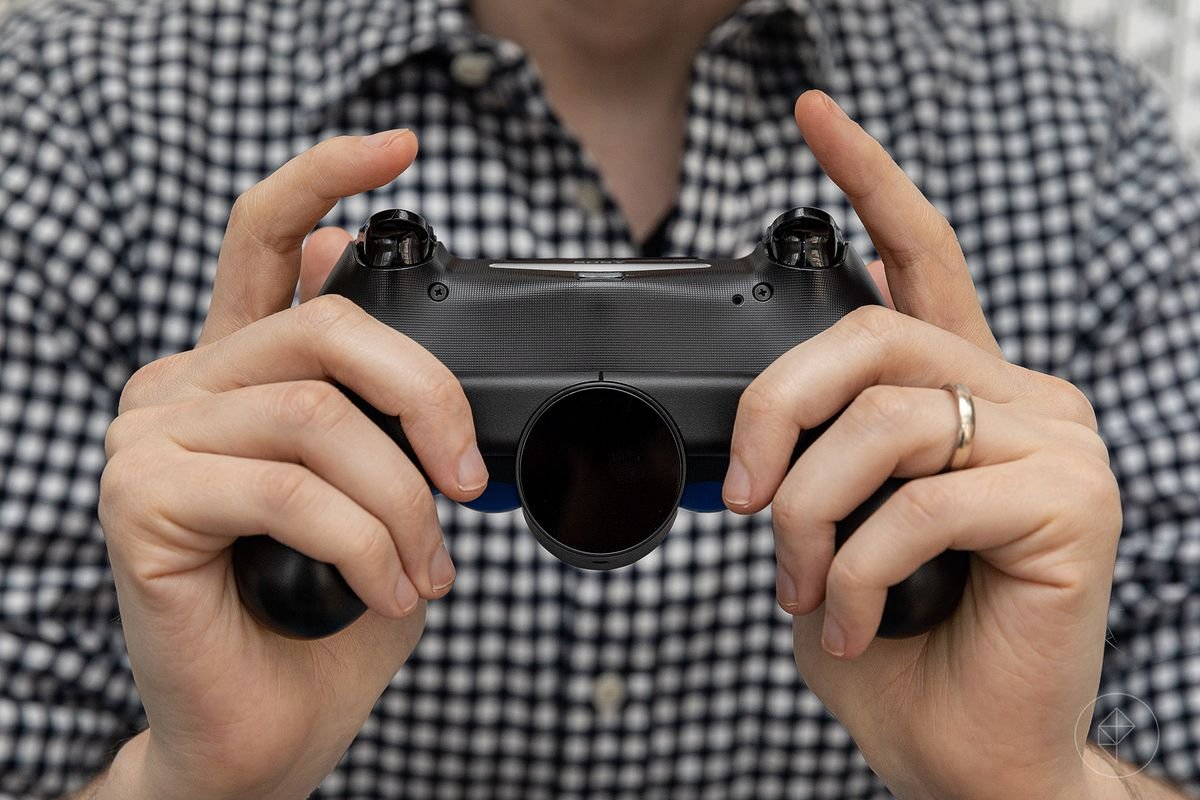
pixel 518 323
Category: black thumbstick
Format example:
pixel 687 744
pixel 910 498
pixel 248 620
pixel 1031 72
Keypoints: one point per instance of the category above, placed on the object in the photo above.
pixel 395 238
pixel 805 237
pixel 924 599
pixel 290 593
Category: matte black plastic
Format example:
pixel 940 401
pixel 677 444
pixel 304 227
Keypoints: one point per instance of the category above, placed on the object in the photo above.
pixel 600 474
pixel 804 237
pixel 927 597
pixel 395 238
pixel 669 331
pixel 291 593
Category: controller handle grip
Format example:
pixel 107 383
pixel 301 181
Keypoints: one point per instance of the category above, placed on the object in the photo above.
pixel 289 593
pixel 927 597
pixel 301 598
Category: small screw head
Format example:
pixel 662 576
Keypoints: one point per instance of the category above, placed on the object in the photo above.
pixel 438 292
pixel 763 292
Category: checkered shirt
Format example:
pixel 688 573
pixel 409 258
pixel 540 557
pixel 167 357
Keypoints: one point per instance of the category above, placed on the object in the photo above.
pixel 128 128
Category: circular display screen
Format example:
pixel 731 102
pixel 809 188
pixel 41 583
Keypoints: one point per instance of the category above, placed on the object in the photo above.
pixel 600 469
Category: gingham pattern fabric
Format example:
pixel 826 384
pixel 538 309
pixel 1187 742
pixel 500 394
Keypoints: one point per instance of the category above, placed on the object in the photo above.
pixel 127 129
pixel 1161 34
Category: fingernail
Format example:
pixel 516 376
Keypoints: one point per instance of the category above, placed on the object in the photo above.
pixel 737 483
pixel 441 569
pixel 835 108
pixel 406 595
pixel 833 638
pixel 785 587
pixel 472 472
pixel 384 138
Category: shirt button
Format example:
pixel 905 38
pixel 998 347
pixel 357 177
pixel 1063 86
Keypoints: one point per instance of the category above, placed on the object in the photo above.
pixel 471 69
pixel 608 693
pixel 590 197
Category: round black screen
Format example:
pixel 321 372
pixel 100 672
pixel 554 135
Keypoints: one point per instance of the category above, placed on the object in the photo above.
pixel 600 473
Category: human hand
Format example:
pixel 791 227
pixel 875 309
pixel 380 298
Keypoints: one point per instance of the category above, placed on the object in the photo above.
pixel 987 704
pixel 246 435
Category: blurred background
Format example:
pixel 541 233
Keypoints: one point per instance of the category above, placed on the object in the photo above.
pixel 1162 35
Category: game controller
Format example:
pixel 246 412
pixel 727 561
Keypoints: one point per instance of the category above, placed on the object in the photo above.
pixel 603 393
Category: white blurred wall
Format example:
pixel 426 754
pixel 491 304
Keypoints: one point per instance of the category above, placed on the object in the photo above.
pixel 1163 36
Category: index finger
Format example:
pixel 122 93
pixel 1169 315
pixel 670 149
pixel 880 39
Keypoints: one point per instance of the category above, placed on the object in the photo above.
pixel 925 267
pixel 816 379
pixel 259 264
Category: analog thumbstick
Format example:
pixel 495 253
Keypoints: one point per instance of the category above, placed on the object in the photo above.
pixel 805 237
pixel 396 238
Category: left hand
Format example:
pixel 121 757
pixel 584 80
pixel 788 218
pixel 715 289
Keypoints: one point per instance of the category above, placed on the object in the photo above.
pixel 986 704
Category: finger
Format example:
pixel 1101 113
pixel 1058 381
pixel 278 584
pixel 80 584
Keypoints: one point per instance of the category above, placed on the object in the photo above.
pixel 886 431
pixel 322 249
pixel 1006 512
pixel 879 275
pixel 925 266
pixel 259 262
pixel 314 424
pixel 223 497
pixel 330 338
pixel 817 378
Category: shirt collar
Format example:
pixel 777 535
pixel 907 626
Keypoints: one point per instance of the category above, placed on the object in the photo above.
pixel 347 43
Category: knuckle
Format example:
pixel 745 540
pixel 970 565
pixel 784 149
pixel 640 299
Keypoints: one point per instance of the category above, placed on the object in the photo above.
pixel 945 238
pixel 759 399
pixel 879 407
pixel 874 323
pixel 121 472
pixel 846 575
pixel 120 433
pixel 248 218
pixel 439 389
pixel 1085 440
pixel 787 514
pixel 139 389
pixel 304 404
pixel 371 545
pixel 243 215
pixel 243 207
pixel 1095 486
pixel 328 312
pixel 412 501
pixel 314 165
pixel 920 503
pixel 316 156
pixel 129 483
pixel 283 486
pixel 1075 404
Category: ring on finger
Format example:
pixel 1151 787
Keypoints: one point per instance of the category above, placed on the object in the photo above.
pixel 964 439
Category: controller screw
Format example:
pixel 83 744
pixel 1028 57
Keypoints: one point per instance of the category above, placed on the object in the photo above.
pixel 438 292
pixel 763 292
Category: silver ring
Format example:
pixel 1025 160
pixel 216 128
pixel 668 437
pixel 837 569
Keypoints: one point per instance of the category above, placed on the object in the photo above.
pixel 965 439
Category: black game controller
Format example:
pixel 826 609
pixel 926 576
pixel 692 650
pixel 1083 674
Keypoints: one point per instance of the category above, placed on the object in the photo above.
pixel 603 393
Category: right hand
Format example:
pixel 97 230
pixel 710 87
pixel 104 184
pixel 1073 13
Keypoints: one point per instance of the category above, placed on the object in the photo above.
pixel 244 435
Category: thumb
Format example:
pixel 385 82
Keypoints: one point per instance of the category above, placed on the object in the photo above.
pixel 322 250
